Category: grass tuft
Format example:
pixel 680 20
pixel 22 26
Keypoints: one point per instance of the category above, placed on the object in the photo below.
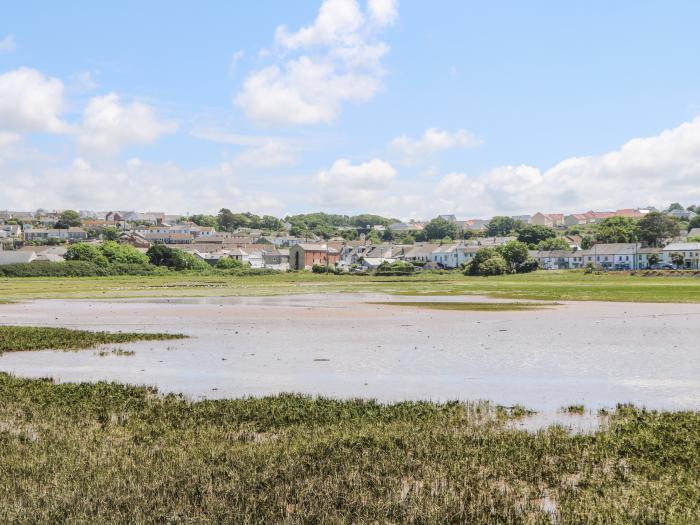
pixel 20 338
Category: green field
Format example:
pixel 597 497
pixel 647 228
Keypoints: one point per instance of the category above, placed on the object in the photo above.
pixel 104 453
pixel 548 286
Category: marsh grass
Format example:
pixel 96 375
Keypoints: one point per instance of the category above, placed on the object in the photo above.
pixel 574 409
pixel 105 453
pixel 543 285
pixel 469 306
pixel 20 338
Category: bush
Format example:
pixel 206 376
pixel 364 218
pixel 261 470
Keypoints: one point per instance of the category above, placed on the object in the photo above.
pixel 481 256
pixel 528 266
pixel 321 268
pixel 495 265
pixel 395 268
pixel 229 263
pixel 51 269
pixel 162 255
pixel 87 253
pixel 122 253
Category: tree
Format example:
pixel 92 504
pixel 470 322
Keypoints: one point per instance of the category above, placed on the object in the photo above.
pixel 587 242
pixel 86 252
pixel 122 253
pixel 676 206
pixel 495 265
pixel 694 222
pixel 480 257
pixel 556 243
pixel 500 225
pixel 533 234
pixel 387 235
pixel 229 263
pixel 68 219
pixel 617 229
pixel 227 220
pixel 514 253
pixel 677 259
pixel 654 227
pixel 653 259
pixel 204 220
pixel 440 228
pixel 162 255
pixel 110 233
pixel 268 222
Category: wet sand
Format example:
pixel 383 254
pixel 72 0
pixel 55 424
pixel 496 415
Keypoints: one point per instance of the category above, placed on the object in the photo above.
pixel 595 354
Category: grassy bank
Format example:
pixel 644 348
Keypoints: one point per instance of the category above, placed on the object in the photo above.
pixel 549 286
pixel 103 453
pixel 18 338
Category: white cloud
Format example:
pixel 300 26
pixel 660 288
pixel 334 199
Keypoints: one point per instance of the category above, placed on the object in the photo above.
pixel 132 185
pixel 30 102
pixel 262 152
pixel 383 12
pixel 110 125
pixel 339 61
pixel 354 186
pixel 433 141
pixel 644 171
pixel 83 81
pixel 8 44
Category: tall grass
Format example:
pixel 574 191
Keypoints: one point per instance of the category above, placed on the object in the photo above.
pixel 104 453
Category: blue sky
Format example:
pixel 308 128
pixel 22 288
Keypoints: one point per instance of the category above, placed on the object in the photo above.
pixel 403 108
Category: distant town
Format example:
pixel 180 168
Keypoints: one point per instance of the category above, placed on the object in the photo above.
pixel 624 239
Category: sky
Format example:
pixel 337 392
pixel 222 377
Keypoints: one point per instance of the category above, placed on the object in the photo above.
pixel 404 108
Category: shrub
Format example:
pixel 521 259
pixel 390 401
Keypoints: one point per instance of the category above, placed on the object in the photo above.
pixel 528 266
pixel 87 253
pixel 122 253
pixel 229 263
pixel 481 256
pixel 395 268
pixel 495 265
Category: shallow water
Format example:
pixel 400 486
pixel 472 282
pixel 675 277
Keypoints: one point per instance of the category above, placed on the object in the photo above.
pixel 595 354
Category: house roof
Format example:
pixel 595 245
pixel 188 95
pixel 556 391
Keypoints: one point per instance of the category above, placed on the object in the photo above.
pixel 14 257
pixel 612 249
pixel 317 248
pixel 682 247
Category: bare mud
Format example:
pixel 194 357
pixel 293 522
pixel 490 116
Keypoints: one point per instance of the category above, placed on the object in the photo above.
pixel 579 353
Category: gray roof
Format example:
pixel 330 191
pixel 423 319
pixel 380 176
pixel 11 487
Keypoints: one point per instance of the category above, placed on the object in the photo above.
pixel 16 257
pixel 683 247
pixel 612 249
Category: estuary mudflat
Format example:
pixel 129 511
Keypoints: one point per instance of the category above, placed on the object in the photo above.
pixel 342 345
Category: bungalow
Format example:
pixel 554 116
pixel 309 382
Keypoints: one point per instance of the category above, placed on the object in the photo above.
pixel 645 254
pixel 303 256
pixel 69 234
pixel 421 252
pixel 446 255
pixel 614 256
pixel 558 259
pixel 689 250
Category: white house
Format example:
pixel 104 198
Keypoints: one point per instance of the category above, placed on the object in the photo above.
pixel 614 256
pixel 690 251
